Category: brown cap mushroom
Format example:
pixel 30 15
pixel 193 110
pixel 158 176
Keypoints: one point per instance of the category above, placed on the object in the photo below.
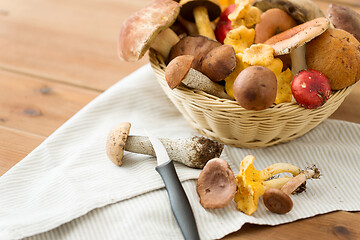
pixel 115 145
pixel 302 11
pixel 179 71
pixel 335 53
pixel 142 30
pixel 345 18
pixel 193 152
pixel 273 21
pixel 219 63
pixel 197 46
pixel 202 12
pixel 216 185
pixel 255 88
pixel 293 40
pixel 278 200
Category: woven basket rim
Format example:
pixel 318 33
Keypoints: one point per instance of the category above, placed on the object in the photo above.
pixel 199 96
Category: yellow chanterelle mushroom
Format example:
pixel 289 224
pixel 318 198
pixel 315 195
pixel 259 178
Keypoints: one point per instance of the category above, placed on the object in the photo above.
pixel 252 183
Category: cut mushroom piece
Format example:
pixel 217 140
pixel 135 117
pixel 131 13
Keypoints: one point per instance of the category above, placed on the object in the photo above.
pixel 216 185
pixel 193 152
pixel 278 200
pixel 202 12
pixel 179 71
pixel 149 27
pixel 292 40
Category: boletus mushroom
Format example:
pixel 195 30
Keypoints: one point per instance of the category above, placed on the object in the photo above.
pixel 216 185
pixel 345 18
pixel 202 12
pixel 255 88
pixel 197 46
pixel 179 71
pixel 193 152
pixel 149 27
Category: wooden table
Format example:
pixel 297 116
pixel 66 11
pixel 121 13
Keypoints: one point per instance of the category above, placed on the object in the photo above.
pixel 58 55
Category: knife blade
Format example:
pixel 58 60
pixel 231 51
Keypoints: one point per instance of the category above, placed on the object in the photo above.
pixel 179 202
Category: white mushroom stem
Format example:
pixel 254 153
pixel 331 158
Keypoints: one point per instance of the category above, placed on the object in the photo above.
pixel 197 80
pixel 164 41
pixel 279 168
pixel 193 152
pixel 277 183
pixel 294 183
pixel 298 59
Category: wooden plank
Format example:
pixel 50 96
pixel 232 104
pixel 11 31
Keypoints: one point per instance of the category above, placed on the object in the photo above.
pixel 15 145
pixel 36 105
pixel 335 225
pixel 76 43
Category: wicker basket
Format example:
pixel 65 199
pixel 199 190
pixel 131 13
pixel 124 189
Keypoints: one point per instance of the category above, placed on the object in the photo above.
pixel 225 121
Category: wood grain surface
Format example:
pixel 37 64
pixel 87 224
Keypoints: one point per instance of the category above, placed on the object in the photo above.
pixel 58 55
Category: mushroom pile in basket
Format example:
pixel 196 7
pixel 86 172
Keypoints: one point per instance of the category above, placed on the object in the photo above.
pixel 257 53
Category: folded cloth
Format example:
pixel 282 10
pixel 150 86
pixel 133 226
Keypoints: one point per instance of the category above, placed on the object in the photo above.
pixel 67 188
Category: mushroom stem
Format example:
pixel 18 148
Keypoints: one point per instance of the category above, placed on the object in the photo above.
pixel 165 41
pixel 277 183
pixel 193 152
pixel 279 168
pixel 197 80
pixel 294 183
pixel 298 59
pixel 202 22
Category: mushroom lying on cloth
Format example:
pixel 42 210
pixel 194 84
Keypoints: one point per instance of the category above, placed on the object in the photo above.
pixel 252 183
pixel 149 27
pixel 216 185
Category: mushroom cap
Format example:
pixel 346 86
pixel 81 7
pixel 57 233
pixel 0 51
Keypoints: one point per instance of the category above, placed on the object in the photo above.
pixel 141 28
pixel 219 63
pixel 197 46
pixel 255 88
pixel 301 10
pixel 345 18
pixel 216 185
pixel 115 144
pixel 277 201
pixel 188 6
pixel 285 42
pixel 177 69
pixel 336 54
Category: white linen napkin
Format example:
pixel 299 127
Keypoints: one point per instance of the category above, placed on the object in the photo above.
pixel 67 188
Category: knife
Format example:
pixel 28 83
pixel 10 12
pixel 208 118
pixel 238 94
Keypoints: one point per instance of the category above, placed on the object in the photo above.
pixel 179 202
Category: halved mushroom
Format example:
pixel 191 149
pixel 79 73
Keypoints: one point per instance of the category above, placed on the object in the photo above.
pixel 149 27
pixel 293 41
pixel 216 185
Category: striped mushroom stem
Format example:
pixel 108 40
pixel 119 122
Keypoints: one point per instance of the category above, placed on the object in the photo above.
pixel 193 152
